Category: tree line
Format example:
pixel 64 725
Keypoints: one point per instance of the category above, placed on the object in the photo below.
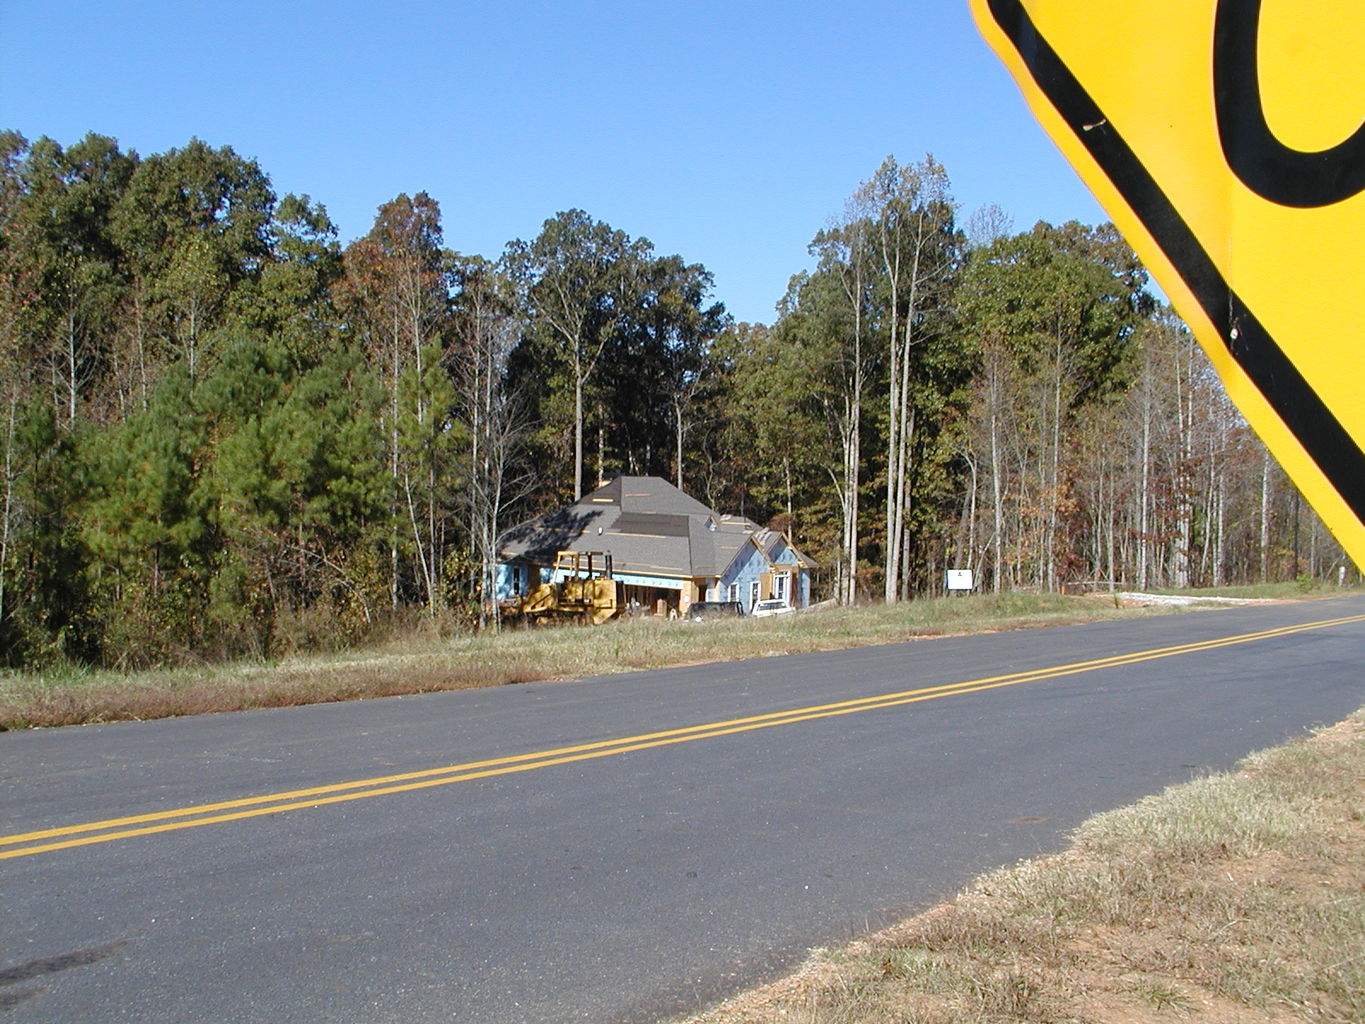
pixel 222 432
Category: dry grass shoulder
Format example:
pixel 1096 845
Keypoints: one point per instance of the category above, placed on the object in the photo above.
pixel 426 661
pixel 1236 899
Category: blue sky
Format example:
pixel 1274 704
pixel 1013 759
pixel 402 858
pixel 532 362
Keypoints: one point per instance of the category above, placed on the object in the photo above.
pixel 726 132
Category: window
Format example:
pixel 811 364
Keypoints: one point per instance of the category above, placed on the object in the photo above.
pixel 781 588
pixel 733 592
pixel 754 593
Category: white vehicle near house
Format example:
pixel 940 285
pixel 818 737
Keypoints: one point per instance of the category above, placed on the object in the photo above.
pixel 773 606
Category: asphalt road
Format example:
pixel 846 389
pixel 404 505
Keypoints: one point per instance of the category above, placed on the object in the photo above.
pixel 612 849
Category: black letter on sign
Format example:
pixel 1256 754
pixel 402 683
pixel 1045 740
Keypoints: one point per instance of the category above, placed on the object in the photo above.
pixel 1286 176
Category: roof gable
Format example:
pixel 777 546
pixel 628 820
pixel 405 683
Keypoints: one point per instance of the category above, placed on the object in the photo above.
pixel 648 495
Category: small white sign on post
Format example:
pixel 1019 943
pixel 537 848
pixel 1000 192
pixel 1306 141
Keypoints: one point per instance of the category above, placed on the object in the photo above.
pixel 960 579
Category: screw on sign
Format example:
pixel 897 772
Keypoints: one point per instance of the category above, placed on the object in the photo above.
pixel 1225 138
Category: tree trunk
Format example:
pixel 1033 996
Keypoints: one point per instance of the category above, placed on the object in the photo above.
pixel 1220 527
pixel 1053 487
pixel 1265 518
pixel 678 437
pixel 852 461
pixel 997 499
pixel 601 473
pixel 395 372
pixel 577 430
pixel 7 513
pixel 1144 485
pixel 893 457
pixel 72 381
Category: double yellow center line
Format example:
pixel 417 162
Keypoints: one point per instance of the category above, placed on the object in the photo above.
pixel 29 843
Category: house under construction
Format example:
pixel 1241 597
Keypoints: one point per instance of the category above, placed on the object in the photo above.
pixel 667 550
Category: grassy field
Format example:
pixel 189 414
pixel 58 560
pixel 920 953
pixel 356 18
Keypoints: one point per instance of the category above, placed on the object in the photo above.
pixel 423 662
pixel 1235 899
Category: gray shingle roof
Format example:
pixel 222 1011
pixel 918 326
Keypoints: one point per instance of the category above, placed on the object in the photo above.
pixel 649 527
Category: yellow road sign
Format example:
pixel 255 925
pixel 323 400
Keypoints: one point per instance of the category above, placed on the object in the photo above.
pixel 1225 138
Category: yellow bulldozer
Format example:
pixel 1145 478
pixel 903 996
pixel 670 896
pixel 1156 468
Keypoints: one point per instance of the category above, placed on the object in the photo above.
pixel 585 591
